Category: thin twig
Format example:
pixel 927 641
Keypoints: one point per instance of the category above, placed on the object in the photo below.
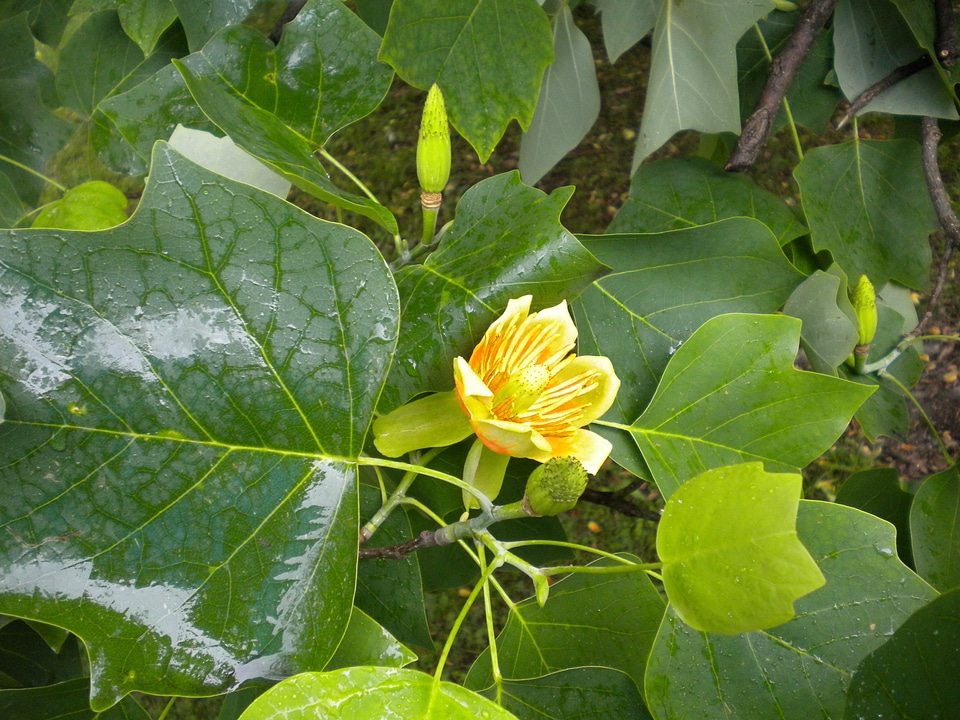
pixel 783 69
pixel 619 501
pixel 947 45
pixel 898 75
pixel 425 539
pixel 930 139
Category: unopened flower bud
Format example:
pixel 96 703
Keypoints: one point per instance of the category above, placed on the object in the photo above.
pixel 864 301
pixel 433 149
pixel 555 486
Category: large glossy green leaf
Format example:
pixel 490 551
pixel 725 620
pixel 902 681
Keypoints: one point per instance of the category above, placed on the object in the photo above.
pixel 274 144
pixel 47 18
pixel 30 133
pixel 186 395
pixel 487 56
pixel 811 99
pixel 731 394
pixel 506 241
pixel 801 669
pixel 606 620
pixel 144 21
pixel 732 562
pixel 585 693
pixel 625 22
pixel 569 101
pixel 95 60
pixel 677 193
pixel 322 76
pixel 26 660
pixel 371 693
pixel 693 69
pixel 935 529
pixel 913 675
pixel 93 205
pixel 872 40
pixel 867 203
pixel 643 311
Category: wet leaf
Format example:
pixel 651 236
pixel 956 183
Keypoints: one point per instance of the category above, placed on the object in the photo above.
pixel 489 52
pixel 913 675
pixel 867 203
pixel 187 393
pixel 367 642
pixel 93 205
pixel 143 21
pixel 731 394
pixel 732 562
pixel 935 529
pixel 371 693
pixel 800 669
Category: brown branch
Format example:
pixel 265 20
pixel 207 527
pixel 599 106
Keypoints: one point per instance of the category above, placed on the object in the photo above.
pixel 930 140
pixel 783 69
pixel 898 75
pixel 428 538
pixel 947 45
pixel 619 501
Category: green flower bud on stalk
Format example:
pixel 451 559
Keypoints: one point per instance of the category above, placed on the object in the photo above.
pixel 555 486
pixel 433 149
pixel 864 301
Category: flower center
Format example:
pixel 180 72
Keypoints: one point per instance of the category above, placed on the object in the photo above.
pixel 521 390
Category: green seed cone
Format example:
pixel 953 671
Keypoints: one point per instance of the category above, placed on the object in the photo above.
pixel 555 486
pixel 433 148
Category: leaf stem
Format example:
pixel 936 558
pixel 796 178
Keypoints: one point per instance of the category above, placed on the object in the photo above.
pixel 30 170
pixel 167 708
pixel 343 168
pixel 491 632
pixel 398 494
pixel 458 623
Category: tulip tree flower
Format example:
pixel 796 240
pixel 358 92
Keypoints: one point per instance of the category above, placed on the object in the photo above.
pixel 523 393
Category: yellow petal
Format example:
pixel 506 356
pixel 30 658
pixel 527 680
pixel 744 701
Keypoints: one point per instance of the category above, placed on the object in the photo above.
pixel 509 438
pixel 586 446
pixel 597 400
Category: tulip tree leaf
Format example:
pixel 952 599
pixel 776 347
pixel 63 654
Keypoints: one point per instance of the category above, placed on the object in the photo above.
pixel 693 69
pixel 935 529
pixel 30 133
pixel 320 78
pixel 869 593
pixel 730 394
pixel 266 138
pixel 732 562
pixel 143 22
pixel 641 313
pixel 363 693
pixel 829 331
pixel 68 700
pixel 867 203
pixel 506 241
pixel 462 45
pixel 94 61
pixel 93 205
pixel 878 492
pixel 203 20
pixel 584 693
pixel 677 193
pixel 569 102
pixel 625 22
pixel 873 40
pixel 913 675
pixel 185 398
pixel 569 632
